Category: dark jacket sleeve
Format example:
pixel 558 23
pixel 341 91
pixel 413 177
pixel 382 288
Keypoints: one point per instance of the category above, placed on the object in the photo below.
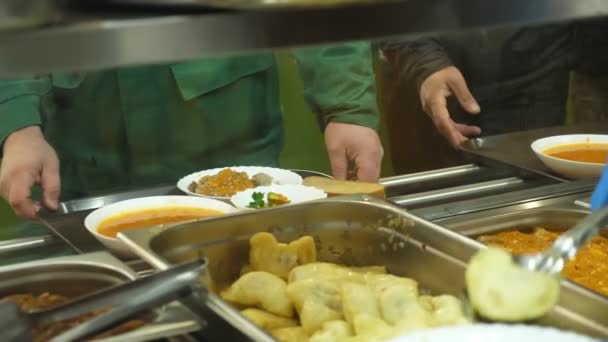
pixel 415 59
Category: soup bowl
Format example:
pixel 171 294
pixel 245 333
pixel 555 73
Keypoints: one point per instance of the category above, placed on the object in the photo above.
pixel 97 218
pixel 569 168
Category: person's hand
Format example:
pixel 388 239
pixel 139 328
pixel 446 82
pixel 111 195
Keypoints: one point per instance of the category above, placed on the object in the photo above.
pixel 433 96
pixel 353 143
pixel 29 160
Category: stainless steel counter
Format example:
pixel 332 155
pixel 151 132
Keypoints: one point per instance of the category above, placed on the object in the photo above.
pixel 514 148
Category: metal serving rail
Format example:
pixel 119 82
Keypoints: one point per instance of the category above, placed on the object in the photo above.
pixel 409 191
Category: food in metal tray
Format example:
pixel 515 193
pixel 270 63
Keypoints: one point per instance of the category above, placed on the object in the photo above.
pixel 228 182
pixel 589 268
pixel 501 290
pixel 30 302
pixel 296 297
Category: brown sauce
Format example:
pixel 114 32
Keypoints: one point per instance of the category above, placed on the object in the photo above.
pixel 150 217
pixel 589 268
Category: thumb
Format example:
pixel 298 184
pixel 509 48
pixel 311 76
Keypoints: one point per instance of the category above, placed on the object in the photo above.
pixel 51 183
pixel 459 88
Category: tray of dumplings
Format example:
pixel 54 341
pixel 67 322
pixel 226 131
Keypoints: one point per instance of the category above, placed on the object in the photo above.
pixel 349 268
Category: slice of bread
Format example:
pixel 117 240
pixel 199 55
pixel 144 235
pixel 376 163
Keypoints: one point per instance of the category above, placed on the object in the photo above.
pixel 339 187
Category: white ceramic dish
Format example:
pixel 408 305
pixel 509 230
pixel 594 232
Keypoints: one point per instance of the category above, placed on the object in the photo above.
pixel 568 168
pixel 295 194
pixel 94 219
pixel 493 333
pixel 280 177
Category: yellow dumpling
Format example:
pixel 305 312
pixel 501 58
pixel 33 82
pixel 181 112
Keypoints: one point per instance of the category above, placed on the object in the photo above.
pixel 263 290
pixel 325 269
pixel 369 269
pixel 314 314
pixel 358 299
pixel 324 290
pixel 332 331
pixel 398 303
pixel 448 311
pixel 269 255
pixel 380 282
pixel 291 334
pixel 267 320
pixel 370 328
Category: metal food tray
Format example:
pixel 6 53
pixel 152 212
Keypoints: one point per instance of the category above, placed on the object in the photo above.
pixel 353 230
pixel 73 276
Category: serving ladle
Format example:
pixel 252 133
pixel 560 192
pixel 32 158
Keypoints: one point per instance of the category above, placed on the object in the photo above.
pixel 553 260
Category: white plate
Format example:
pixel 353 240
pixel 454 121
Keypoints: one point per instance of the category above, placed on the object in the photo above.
pixel 295 193
pixel 493 333
pixel 279 176
pixel 569 168
pixel 93 220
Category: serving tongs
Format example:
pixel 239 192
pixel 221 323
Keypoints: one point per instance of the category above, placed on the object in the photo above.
pixel 123 301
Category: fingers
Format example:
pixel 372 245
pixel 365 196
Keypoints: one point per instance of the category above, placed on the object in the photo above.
pixel 18 195
pixel 368 167
pixel 444 124
pixel 339 162
pixel 51 184
pixel 467 130
pixel 459 88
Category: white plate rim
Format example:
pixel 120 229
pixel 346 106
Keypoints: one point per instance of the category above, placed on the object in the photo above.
pixel 534 146
pixel 277 188
pixel 184 182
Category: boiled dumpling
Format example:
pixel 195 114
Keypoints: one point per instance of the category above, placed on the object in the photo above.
pixel 369 269
pixel 267 320
pixel 324 290
pixel 399 305
pixel 291 334
pixel 332 331
pixel 263 290
pixel 358 299
pixel 315 313
pixel 380 282
pixel 501 290
pixel 325 269
pixel 448 311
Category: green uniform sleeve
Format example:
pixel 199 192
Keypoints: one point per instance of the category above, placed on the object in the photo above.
pixel 20 103
pixel 339 83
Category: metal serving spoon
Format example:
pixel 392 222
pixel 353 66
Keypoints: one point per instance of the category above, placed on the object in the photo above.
pixel 552 260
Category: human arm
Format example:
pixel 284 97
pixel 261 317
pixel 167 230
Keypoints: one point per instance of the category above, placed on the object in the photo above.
pixel 27 159
pixel 426 62
pixel 339 86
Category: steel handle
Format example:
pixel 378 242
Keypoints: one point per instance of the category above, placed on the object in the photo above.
pixel 458 191
pixel 430 175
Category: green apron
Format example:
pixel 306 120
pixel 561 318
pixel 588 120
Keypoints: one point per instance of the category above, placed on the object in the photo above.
pixel 150 125
pixel 145 126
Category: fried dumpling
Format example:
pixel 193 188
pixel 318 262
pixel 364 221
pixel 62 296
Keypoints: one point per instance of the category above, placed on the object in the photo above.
pixel 268 255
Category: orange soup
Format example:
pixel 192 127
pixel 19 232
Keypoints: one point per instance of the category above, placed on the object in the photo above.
pixel 585 152
pixel 150 217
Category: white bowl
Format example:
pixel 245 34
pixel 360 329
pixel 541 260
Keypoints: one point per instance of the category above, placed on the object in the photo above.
pixel 569 168
pixel 280 177
pixel 295 194
pixel 94 219
pixel 494 333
